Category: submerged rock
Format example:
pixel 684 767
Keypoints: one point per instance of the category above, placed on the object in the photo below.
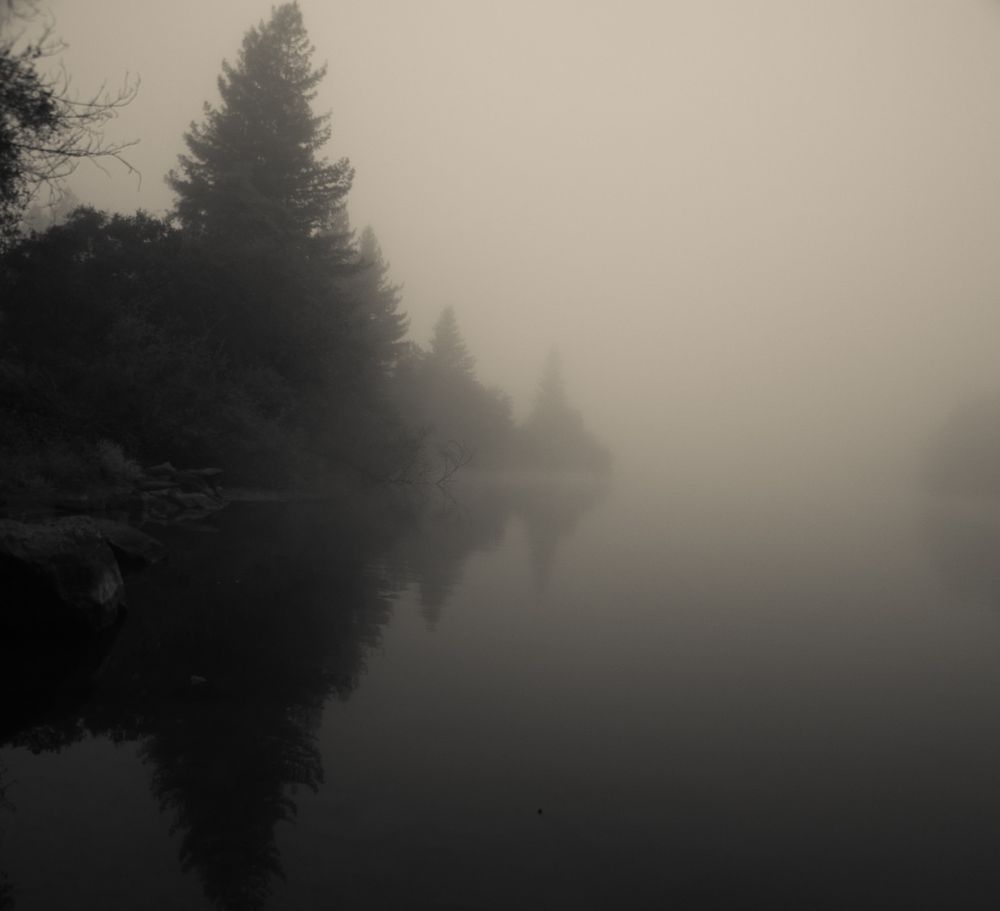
pixel 58 578
pixel 132 548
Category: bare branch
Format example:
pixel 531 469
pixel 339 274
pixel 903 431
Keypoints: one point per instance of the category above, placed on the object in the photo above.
pixel 454 456
pixel 48 128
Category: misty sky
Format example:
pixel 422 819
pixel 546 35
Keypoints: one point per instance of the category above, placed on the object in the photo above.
pixel 767 227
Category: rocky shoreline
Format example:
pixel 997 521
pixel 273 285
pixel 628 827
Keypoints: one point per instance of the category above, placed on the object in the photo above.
pixel 161 493
pixel 62 574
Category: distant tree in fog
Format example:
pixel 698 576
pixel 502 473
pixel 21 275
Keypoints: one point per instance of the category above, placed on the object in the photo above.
pixel 254 164
pixel 554 435
pixel 440 392
pixel 448 353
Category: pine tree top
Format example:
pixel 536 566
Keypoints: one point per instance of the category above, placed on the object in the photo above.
pixel 448 350
pixel 254 163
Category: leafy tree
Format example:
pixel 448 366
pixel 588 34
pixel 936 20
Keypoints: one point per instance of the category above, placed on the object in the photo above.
pixel 89 327
pixel 253 165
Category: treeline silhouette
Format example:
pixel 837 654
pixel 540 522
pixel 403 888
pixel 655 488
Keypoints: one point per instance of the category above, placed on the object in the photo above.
pixel 251 327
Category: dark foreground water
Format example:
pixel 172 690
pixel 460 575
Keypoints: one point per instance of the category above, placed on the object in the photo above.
pixel 531 696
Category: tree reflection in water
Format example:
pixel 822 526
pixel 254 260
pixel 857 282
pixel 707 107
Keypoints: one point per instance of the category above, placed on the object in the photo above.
pixel 267 619
pixel 455 528
pixel 551 512
pixel 450 530
pixel 233 646
pixel 6 887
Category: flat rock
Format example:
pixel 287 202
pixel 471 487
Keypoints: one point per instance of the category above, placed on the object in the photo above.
pixel 132 548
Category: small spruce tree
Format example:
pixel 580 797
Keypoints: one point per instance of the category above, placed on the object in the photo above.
pixel 379 301
pixel 448 353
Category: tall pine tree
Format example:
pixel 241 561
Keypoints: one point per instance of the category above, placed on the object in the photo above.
pixel 283 289
pixel 253 164
pixel 266 211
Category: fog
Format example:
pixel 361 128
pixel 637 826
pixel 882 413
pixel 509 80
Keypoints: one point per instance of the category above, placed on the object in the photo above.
pixel 762 236
pixel 709 619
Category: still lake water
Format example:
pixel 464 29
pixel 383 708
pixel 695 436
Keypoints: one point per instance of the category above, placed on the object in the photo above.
pixel 531 695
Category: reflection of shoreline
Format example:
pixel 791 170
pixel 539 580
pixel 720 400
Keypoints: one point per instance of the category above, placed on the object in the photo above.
pixel 221 671
pixel 551 514
pixel 474 517
pixel 468 519
pixel 233 646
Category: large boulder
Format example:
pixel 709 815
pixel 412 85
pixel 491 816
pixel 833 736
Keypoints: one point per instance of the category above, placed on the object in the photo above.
pixel 58 578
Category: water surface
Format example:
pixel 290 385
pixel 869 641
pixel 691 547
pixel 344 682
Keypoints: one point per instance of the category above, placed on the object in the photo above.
pixel 535 695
